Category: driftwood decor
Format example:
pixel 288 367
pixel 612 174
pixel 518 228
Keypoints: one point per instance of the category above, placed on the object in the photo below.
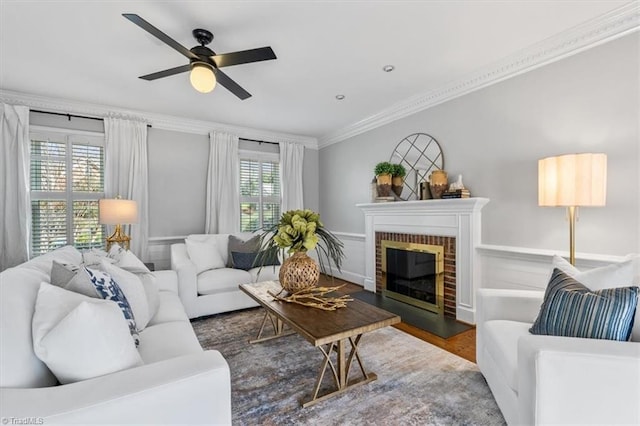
pixel 315 297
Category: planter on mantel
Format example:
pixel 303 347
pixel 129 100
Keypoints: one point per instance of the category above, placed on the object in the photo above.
pixel 460 218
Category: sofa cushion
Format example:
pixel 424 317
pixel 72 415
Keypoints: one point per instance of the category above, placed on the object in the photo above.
pixel 73 278
pixel 133 289
pixel 110 290
pixel 168 340
pixel 240 245
pixel 170 309
pixel 501 343
pixel 570 309
pixel 19 365
pixel 222 280
pixel 220 240
pixel 80 337
pixel 205 255
pixel 619 274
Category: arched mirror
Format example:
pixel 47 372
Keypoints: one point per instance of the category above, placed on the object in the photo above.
pixel 420 154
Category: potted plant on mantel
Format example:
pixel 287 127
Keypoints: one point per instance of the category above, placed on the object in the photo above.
pixel 397 180
pixel 298 232
pixel 384 173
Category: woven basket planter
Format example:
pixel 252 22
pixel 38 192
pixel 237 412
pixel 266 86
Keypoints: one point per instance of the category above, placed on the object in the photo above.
pixel 299 272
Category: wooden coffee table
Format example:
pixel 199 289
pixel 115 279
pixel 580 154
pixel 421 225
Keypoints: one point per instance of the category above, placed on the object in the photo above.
pixel 330 331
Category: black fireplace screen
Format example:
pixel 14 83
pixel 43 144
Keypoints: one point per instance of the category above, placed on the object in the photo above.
pixel 412 274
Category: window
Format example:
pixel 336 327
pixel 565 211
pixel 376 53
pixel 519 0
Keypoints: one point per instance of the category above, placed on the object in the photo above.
pixel 67 180
pixel 259 191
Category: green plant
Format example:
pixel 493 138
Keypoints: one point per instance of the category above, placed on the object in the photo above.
pixel 300 231
pixel 384 168
pixel 398 170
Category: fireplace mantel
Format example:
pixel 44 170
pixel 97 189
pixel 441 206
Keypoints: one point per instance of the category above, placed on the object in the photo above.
pixel 459 218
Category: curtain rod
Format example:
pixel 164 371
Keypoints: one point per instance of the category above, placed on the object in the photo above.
pixel 70 115
pixel 260 142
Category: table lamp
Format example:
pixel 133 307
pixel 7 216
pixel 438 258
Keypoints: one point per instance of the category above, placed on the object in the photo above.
pixel 572 181
pixel 118 212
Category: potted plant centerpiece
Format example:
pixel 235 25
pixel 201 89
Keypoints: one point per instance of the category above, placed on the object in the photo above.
pixel 397 181
pixel 298 232
pixel 383 172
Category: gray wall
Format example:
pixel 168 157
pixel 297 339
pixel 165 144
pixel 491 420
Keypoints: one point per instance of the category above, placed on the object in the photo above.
pixel 178 175
pixel 177 182
pixel 493 137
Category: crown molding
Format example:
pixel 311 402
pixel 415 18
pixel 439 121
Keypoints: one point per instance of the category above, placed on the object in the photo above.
pixel 157 121
pixel 610 26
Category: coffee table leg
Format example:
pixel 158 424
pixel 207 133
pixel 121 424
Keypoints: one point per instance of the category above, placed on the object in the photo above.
pixel 278 328
pixel 340 370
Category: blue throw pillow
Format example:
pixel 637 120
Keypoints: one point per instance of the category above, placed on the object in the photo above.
pixel 572 310
pixel 108 289
pixel 247 261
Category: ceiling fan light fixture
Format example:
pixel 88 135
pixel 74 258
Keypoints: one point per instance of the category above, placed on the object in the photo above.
pixel 202 77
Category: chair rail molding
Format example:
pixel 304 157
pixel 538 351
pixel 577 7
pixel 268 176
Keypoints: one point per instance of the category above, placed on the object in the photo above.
pixel 158 121
pixel 529 268
pixel 610 26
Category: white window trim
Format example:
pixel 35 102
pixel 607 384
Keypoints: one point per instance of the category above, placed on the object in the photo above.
pixel 261 156
pixel 68 137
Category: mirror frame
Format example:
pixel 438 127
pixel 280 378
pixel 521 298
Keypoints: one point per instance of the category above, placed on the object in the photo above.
pixel 416 175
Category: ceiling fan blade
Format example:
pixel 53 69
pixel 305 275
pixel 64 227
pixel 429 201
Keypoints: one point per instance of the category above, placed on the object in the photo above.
pixel 231 85
pixel 159 34
pixel 244 57
pixel 166 73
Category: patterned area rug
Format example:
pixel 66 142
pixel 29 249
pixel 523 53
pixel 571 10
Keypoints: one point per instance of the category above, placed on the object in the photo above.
pixel 418 383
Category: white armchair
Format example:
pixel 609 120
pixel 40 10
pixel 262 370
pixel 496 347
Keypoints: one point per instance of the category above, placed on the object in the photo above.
pixel 552 380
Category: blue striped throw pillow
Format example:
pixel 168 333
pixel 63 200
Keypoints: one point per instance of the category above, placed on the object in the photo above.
pixel 570 309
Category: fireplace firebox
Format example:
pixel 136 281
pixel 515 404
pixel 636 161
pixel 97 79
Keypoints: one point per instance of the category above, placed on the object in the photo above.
pixel 414 273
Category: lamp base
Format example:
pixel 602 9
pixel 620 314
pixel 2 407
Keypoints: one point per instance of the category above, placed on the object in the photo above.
pixel 119 238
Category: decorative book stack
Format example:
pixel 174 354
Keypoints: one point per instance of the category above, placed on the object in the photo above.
pixel 458 193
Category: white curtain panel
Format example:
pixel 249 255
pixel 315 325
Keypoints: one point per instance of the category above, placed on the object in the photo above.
pixel 291 159
pixel 223 185
pixel 126 174
pixel 15 209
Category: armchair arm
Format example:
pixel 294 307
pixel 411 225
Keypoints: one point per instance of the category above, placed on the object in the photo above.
pixel 564 380
pixel 187 278
pixel 506 304
pixel 189 389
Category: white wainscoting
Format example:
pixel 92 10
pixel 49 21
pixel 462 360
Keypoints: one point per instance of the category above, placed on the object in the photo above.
pixel 527 268
pixel 353 265
pixel 160 250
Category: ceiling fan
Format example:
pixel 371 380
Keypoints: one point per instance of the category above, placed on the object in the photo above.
pixel 204 64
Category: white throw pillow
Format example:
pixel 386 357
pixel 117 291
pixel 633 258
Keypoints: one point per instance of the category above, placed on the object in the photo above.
pixel 133 290
pixel 79 337
pixel 621 274
pixel 205 255
pixel 126 260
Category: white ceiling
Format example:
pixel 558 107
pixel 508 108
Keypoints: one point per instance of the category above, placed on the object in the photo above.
pixel 87 52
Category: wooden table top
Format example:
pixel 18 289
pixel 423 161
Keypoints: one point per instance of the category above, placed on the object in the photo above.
pixel 318 326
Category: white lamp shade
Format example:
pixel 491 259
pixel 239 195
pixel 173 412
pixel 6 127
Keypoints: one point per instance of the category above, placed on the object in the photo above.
pixel 115 211
pixel 202 77
pixel 573 180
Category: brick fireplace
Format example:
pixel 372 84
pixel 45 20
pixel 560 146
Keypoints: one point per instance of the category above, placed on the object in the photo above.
pixel 454 223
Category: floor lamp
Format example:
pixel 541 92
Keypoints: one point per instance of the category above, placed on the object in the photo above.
pixel 572 181
pixel 118 212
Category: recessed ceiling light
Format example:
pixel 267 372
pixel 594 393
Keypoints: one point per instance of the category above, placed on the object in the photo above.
pixel 339 97
pixel 388 68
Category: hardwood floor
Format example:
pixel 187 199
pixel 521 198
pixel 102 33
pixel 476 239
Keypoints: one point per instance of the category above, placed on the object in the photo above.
pixel 462 344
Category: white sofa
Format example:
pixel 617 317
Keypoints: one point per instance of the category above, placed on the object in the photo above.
pixel 178 383
pixel 215 290
pixel 553 380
